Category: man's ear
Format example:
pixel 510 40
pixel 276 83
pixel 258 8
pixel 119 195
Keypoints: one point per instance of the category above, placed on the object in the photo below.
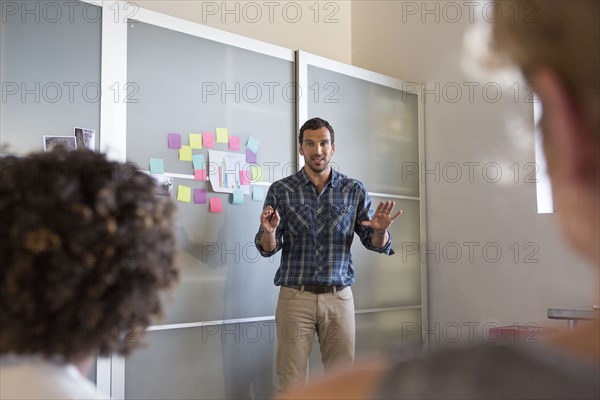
pixel 570 139
pixel 332 148
pixel 301 151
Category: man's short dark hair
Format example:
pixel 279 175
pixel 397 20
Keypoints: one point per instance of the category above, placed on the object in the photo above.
pixel 85 247
pixel 314 124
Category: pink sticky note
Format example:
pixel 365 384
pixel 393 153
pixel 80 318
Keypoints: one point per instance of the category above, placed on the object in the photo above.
pixel 174 140
pixel 234 143
pixel 200 196
pixel 200 174
pixel 216 205
pixel 245 177
pixel 208 139
pixel 250 157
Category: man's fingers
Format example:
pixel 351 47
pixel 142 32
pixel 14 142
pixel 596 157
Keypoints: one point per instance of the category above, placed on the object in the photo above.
pixel 397 215
pixel 386 207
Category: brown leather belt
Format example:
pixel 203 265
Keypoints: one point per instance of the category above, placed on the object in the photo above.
pixel 319 289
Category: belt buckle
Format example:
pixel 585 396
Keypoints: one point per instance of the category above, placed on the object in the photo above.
pixel 323 289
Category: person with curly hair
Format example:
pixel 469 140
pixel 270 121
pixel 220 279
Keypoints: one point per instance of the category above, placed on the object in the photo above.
pixel 86 247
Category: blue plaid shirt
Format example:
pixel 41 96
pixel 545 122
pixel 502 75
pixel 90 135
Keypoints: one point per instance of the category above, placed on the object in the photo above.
pixel 316 230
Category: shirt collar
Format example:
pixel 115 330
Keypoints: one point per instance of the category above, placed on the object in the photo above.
pixel 335 177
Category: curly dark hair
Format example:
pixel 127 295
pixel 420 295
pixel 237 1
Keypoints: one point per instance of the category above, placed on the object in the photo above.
pixel 312 125
pixel 85 248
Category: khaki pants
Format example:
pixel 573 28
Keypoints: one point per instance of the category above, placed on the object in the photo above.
pixel 301 314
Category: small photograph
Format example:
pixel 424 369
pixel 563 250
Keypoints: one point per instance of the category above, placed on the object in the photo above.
pixel 164 184
pixel 86 138
pixel 68 142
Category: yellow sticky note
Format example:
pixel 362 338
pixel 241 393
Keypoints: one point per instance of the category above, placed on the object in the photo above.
pixel 196 140
pixel 185 153
pixel 184 193
pixel 256 173
pixel 222 135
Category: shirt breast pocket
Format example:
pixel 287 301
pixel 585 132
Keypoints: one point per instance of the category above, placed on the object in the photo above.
pixel 298 218
pixel 342 217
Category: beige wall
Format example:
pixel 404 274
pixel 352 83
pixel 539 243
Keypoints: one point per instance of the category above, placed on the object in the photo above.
pixel 319 27
pixel 413 46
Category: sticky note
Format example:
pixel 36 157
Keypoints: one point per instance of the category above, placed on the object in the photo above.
pixel 196 140
pixel 174 140
pixel 250 157
pixel 238 197
pixel 216 205
pixel 200 174
pixel 258 194
pixel 208 139
pixel 234 143
pixel 198 161
pixel 256 173
pixel 245 176
pixel 157 166
pixel 253 144
pixel 185 153
pixel 184 193
pixel 222 135
pixel 200 196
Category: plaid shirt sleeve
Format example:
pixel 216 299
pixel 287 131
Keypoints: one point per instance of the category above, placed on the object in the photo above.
pixel 270 200
pixel 365 213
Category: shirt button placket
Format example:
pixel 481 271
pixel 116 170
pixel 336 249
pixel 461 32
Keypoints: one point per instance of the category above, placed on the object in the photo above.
pixel 319 244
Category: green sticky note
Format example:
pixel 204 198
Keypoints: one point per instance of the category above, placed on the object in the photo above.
pixel 258 194
pixel 157 166
pixel 198 160
pixel 185 153
pixel 238 196
pixel 222 135
pixel 184 193
pixel 256 173
pixel 196 140
pixel 253 144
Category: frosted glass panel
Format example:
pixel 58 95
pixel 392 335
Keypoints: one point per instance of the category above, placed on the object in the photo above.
pixel 223 275
pixel 390 281
pixel 219 362
pixel 49 71
pixel 185 84
pixel 380 334
pixel 376 130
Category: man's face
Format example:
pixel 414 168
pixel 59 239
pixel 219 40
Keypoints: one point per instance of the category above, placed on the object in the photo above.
pixel 317 149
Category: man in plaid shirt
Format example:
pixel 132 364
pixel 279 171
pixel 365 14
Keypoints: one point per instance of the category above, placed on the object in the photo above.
pixel 313 215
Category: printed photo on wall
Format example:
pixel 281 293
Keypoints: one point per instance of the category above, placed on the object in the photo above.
pixel 68 142
pixel 164 184
pixel 86 138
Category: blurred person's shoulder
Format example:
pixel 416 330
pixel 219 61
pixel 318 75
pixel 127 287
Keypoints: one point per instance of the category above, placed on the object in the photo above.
pixel 32 377
pixel 493 371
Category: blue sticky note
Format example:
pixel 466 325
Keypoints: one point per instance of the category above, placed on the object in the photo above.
pixel 258 194
pixel 253 144
pixel 198 161
pixel 157 166
pixel 238 196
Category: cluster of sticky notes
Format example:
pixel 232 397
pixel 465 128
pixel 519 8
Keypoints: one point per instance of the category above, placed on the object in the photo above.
pixel 209 140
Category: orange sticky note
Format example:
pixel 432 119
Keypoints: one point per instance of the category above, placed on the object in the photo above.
pixel 216 205
pixel 200 174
